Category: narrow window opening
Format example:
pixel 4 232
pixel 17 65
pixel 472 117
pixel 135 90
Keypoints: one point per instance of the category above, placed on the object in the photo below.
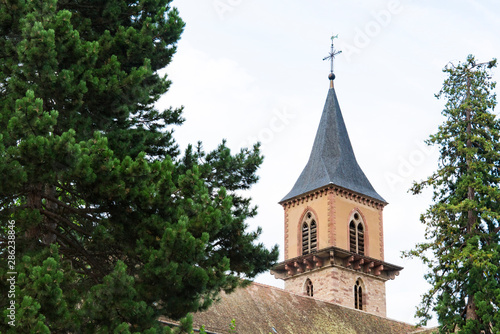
pixel 361 239
pixel 352 236
pixel 357 235
pixel 358 295
pixel 314 238
pixel 309 288
pixel 309 234
pixel 305 239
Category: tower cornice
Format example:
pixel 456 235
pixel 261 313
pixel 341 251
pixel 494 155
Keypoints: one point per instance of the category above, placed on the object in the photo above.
pixel 336 190
pixel 335 257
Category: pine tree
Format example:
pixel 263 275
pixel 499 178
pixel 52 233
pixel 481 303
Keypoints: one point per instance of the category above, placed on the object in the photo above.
pixel 114 227
pixel 462 249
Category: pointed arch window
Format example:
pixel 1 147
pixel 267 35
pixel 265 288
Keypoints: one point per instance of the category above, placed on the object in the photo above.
pixel 358 295
pixel 309 288
pixel 309 234
pixel 357 234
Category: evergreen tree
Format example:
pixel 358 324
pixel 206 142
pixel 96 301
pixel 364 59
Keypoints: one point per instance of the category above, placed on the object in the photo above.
pixel 462 249
pixel 114 228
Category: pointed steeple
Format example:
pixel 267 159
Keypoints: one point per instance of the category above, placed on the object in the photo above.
pixel 334 223
pixel 332 160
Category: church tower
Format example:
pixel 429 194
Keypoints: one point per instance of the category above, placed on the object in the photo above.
pixel 334 242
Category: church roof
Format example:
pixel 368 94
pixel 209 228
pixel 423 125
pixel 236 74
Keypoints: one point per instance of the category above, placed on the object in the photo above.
pixel 332 159
pixel 263 309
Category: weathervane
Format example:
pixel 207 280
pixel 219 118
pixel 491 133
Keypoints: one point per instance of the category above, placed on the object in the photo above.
pixel 331 56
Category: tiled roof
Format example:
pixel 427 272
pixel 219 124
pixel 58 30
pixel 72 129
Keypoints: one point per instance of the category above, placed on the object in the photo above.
pixel 433 330
pixel 259 308
pixel 332 159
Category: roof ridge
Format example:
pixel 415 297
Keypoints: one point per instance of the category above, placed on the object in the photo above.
pixel 424 330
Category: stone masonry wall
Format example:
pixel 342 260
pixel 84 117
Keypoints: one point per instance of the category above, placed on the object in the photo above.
pixel 336 285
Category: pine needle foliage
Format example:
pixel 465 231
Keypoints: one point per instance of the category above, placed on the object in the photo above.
pixel 114 226
pixel 462 250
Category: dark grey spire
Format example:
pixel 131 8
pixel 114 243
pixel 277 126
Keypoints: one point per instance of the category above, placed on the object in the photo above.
pixel 332 159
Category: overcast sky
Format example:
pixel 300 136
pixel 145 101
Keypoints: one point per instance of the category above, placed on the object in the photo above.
pixel 252 70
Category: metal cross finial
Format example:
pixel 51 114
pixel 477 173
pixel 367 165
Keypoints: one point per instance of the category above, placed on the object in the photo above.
pixel 332 54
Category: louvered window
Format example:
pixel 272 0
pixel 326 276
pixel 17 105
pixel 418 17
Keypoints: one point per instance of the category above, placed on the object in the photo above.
pixel 357 234
pixel 309 234
pixel 305 238
pixel 314 237
pixel 352 236
pixel 361 240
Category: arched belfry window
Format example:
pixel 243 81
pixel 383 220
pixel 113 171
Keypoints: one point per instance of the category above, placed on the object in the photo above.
pixel 357 234
pixel 309 234
pixel 309 288
pixel 358 295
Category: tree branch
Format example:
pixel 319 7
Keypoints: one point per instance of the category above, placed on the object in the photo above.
pixel 69 223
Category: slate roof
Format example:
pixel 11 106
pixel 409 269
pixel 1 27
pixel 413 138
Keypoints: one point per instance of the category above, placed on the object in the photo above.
pixel 332 159
pixel 259 308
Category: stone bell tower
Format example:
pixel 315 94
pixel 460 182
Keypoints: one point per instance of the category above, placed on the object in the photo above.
pixel 334 244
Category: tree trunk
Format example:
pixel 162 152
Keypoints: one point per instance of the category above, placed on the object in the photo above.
pixel 470 312
pixel 34 202
pixel 49 237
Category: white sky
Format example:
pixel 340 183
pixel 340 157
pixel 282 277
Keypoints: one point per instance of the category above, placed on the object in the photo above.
pixel 252 70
